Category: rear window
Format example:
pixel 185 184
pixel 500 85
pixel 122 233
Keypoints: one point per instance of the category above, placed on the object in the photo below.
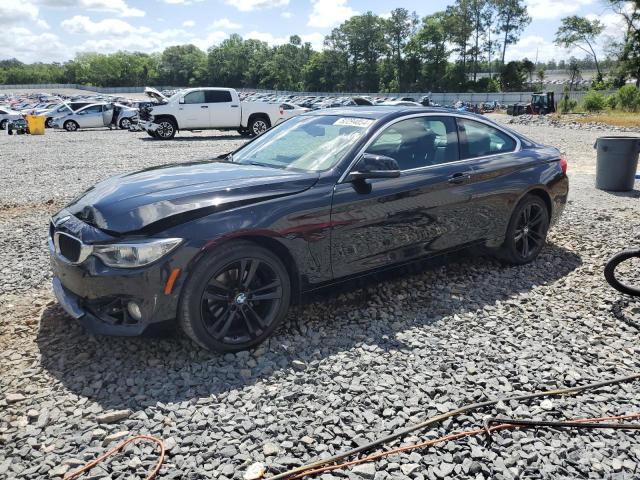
pixel 217 96
pixel 481 139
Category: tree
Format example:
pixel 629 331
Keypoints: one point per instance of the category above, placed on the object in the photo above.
pixel 481 12
pixel 574 73
pixel 512 18
pixel 428 53
pixel 529 67
pixel 541 76
pixel 512 76
pixel 182 65
pixel 582 33
pixel 399 29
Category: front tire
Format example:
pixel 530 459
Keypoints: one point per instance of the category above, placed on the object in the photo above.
pixel 48 123
pixel 3 124
pixel 166 129
pixel 527 231
pixel 71 126
pixel 235 298
pixel 124 123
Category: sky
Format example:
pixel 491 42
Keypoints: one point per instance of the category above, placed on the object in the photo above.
pixel 55 30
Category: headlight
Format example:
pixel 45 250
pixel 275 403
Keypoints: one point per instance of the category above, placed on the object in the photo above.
pixel 135 254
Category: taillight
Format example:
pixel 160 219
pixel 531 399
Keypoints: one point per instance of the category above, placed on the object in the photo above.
pixel 563 163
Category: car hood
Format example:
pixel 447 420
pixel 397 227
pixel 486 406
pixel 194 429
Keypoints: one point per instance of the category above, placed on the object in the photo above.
pixel 155 94
pixel 156 198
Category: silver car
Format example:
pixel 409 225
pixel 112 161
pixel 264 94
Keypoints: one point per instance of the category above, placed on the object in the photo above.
pixel 7 115
pixel 95 116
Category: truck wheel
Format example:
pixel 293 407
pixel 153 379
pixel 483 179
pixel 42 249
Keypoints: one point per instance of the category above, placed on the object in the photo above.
pixel 166 129
pixel 259 125
pixel 151 134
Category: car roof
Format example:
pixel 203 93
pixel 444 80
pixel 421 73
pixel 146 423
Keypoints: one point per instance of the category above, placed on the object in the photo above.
pixel 378 112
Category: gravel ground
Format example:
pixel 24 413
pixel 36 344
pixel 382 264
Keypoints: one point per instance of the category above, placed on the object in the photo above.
pixel 343 370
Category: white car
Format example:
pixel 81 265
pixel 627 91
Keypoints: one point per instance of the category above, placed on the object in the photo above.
pixel 7 115
pixel 95 116
pixel 210 109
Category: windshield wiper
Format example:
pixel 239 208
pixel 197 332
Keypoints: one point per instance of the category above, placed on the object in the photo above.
pixel 259 164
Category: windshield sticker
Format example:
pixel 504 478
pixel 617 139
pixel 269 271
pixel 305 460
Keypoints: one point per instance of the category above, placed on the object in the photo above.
pixel 353 122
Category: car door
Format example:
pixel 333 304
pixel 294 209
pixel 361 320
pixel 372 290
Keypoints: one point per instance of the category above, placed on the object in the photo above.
pixel 224 112
pixel 90 117
pixel 499 165
pixel 423 211
pixel 107 114
pixel 193 111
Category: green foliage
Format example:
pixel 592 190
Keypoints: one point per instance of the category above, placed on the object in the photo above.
pixel 594 101
pixel 612 101
pixel 582 33
pixel 513 76
pixel 567 105
pixel 629 98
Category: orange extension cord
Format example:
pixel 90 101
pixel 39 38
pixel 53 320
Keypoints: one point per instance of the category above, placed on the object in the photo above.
pixel 93 463
pixel 446 438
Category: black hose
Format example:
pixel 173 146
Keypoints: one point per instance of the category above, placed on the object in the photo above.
pixel 610 272
pixel 452 413
pixel 560 424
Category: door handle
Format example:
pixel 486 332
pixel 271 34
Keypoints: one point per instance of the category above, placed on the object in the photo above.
pixel 204 106
pixel 459 177
pixel 235 106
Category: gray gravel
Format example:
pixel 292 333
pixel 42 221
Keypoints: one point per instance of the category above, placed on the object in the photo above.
pixel 342 371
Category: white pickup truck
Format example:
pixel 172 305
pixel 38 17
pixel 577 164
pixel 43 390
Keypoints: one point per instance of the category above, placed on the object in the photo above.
pixel 210 109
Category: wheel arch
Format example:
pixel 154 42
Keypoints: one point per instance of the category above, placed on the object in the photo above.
pixel 543 195
pixel 166 116
pixel 275 247
pixel 262 115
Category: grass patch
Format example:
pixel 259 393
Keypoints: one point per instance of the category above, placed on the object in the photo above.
pixel 615 119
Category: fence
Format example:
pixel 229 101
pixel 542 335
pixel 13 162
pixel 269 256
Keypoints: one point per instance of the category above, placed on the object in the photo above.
pixel 449 98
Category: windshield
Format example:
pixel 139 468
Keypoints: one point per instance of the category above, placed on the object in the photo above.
pixel 311 144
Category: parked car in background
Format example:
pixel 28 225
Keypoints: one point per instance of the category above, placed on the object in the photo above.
pixel 60 110
pixel 7 115
pixel 210 108
pixel 223 247
pixel 94 116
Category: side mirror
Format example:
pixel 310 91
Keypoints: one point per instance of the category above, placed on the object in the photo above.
pixel 374 166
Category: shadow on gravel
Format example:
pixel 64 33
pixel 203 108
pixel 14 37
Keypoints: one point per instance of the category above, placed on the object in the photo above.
pixel 208 138
pixel 138 372
pixel 629 194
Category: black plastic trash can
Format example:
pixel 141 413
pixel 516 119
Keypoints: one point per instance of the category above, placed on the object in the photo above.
pixel 617 162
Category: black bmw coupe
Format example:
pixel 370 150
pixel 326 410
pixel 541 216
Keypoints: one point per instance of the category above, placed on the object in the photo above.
pixel 224 246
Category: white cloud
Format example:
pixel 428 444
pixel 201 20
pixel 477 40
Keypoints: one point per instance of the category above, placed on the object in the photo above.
pixel 33 47
pixel 329 13
pixel 249 5
pixel 266 37
pixel 286 15
pixel 225 24
pixel 189 23
pixel 82 25
pixel 550 9
pixel 140 41
pixel 532 46
pixel 110 6
pixel 14 12
pixel 213 38
pixel 178 2
pixel 316 40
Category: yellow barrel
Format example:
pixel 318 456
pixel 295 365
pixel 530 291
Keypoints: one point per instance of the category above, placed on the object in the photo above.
pixel 35 124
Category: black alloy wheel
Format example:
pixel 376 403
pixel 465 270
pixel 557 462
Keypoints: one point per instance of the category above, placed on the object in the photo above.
pixel 527 232
pixel 238 305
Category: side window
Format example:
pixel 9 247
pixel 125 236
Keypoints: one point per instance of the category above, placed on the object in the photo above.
pixel 194 97
pixel 481 139
pixel 419 142
pixel 93 109
pixel 217 96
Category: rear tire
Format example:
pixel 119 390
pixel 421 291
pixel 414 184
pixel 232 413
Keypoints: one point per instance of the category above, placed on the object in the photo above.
pixel 48 122
pixel 71 126
pixel 259 125
pixel 3 124
pixel 235 298
pixel 527 231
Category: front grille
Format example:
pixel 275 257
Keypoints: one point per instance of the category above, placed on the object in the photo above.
pixel 69 247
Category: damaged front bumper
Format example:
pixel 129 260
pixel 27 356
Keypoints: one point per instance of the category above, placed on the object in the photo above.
pixel 148 126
